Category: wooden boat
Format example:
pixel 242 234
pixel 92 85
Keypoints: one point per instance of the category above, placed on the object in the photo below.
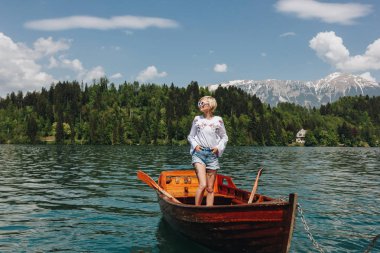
pixel 231 224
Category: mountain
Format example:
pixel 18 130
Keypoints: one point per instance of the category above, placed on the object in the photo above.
pixel 306 93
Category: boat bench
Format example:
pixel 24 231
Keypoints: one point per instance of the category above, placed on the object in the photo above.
pixel 180 183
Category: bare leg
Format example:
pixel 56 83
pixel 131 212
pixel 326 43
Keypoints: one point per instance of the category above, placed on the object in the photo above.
pixel 211 176
pixel 200 169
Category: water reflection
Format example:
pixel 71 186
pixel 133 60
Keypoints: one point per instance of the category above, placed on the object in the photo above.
pixel 170 241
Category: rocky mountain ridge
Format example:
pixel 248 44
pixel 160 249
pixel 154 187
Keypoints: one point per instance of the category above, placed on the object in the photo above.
pixel 306 93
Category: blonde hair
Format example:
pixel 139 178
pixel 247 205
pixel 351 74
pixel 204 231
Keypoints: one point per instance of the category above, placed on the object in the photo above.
pixel 211 101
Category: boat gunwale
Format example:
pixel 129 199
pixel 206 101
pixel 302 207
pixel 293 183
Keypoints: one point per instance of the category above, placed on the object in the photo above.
pixel 271 203
pixel 219 183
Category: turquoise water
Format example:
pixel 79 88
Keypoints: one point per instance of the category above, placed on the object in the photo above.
pixel 88 199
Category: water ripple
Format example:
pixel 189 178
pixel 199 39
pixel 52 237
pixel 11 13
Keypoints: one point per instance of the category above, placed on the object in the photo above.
pixel 87 198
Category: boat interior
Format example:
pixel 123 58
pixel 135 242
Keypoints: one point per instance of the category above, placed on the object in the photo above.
pixel 182 184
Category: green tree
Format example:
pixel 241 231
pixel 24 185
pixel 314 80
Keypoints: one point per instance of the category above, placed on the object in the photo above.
pixel 310 139
pixel 32 129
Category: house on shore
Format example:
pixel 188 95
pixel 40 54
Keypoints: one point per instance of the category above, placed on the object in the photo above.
pixel 300 136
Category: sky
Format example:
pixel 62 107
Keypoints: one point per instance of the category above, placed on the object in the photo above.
pixel 179 41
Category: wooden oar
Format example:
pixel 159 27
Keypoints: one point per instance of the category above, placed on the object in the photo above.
pixel 255 187
pixel 149 181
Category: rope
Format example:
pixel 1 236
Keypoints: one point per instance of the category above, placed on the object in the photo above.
pixel 316 244
pixel 372 244
pixel 307 229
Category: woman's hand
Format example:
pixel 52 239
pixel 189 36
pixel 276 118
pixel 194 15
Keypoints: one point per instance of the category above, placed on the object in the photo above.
pixel 198 148
pixel 215 150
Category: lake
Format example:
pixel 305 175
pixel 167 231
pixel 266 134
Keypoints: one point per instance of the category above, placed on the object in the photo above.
pixel 88 199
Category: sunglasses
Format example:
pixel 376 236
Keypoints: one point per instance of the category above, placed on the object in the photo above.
pixel 202 104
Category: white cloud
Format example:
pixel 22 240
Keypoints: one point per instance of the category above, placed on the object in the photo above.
pixel 116 76
pixel 368 76
pixel 150 73
pixel 89 22
pixel 330 48
pixel 19 69
pixel 287 34
pixel 341 13
pixel 263 54
pixel 128 32
pixel 53 63
pixel 75 65
pixel 49 47
pixel 93 74
pixel 220 68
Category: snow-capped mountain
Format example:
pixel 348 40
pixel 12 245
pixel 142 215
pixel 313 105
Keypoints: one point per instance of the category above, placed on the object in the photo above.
pixel 306 93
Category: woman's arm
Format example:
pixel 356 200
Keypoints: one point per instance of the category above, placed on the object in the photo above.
pixel 192 134
pixel 223 138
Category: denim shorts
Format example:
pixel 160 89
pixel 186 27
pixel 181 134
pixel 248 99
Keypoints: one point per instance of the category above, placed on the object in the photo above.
pixel 206 157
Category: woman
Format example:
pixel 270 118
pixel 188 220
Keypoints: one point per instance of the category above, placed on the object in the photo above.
pixel 208 139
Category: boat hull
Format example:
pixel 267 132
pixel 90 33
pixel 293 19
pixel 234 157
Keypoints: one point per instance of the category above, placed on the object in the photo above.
pixel 258 227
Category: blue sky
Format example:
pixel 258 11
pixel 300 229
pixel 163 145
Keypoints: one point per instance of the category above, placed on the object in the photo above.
pixel 178 41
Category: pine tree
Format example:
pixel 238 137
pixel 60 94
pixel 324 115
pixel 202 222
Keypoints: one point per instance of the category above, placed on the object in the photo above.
pixel 32 129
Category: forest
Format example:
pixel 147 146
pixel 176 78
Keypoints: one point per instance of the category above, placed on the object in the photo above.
pixel 151 114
